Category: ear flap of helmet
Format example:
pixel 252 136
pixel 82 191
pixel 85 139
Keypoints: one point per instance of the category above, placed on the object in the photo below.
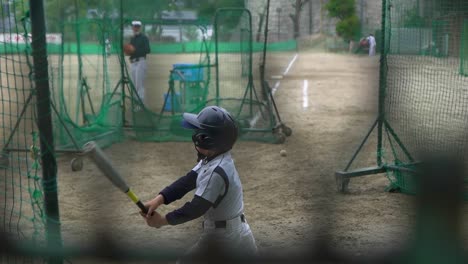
pixel 203 140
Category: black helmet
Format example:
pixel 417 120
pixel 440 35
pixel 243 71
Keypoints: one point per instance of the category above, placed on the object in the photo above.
pixel 214 128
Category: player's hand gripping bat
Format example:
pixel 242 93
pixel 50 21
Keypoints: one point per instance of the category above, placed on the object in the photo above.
pixel 92 150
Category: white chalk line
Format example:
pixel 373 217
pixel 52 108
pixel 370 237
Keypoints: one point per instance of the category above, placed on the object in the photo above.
pixel 254 120
pixel 305 94
pixel 291 64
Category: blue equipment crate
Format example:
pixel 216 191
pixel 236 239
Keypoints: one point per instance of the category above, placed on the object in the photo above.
pixel 190 72
pixel 168 106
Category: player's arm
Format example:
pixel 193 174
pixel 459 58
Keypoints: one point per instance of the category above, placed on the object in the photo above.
pixel 190 211
pixel 173 192
pixel 208 195
pixel 179 188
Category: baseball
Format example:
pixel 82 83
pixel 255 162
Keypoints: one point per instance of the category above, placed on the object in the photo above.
pixel 283 153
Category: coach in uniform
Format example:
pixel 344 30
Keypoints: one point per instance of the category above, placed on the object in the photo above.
pixel 372 44
pixel 138 59
pixel 218 189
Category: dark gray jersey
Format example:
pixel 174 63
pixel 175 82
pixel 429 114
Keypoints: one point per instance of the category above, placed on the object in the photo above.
pixel 211 185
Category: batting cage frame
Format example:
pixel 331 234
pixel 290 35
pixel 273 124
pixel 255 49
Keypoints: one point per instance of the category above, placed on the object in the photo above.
pixel 261 121
pixel 81 121
pixel 33 149
pixel 430 35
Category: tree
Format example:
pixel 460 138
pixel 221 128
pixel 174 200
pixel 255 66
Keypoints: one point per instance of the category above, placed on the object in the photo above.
pixel 348 28
pixel 298 5
pixel 348 25
pixel 341 9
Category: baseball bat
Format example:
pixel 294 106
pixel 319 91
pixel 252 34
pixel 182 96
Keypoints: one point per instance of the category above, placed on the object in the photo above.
pixel 92 150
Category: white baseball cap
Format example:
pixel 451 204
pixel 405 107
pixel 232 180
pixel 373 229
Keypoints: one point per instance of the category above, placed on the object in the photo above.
pixel 136 23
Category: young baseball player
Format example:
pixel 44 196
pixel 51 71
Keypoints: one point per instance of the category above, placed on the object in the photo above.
pixel 218 189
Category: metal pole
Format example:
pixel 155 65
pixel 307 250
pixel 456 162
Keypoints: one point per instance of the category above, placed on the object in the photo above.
pixel 216 32
pixel 80 68
pixel 382 82
pixel 124 79
pixel 49 164
pixel 311 22
pixel 321 16
pixel 278 10
pixel 265 43
pixel 361 3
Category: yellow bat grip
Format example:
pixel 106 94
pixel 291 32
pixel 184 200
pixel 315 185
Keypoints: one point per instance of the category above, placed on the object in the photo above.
pixel 137 201
pixel 132 196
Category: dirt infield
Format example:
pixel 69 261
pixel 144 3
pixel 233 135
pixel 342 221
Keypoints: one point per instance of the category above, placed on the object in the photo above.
pixel 289 201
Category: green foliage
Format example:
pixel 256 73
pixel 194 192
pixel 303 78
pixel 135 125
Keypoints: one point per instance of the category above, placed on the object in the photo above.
pixel 348 28
pixel 341 9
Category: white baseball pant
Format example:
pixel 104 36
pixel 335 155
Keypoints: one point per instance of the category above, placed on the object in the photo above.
pixel 138 71
pixel 236 238
pixel 372 50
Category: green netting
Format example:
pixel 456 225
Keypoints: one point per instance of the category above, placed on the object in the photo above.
pixel 95 95
pixel 194 62
pixel 22 212
pixel 424 90
pixel 83 86
pixel 238 88
pixel 220 73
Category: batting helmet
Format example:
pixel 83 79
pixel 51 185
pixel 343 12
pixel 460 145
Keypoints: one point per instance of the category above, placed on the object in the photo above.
pixel 214 128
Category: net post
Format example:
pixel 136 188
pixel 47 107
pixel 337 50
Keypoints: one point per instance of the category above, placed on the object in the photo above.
pixel 463 55
pixel 341 176
pixel 265 43
pixel 44 121
pixel 215 26
pixel 382 84
pixel 124 79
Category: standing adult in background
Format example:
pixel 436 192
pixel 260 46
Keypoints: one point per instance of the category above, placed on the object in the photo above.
pixel 372 44
pixel 138 59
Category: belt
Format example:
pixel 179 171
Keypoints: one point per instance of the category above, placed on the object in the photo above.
pixel 136 59
pixel 223 224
